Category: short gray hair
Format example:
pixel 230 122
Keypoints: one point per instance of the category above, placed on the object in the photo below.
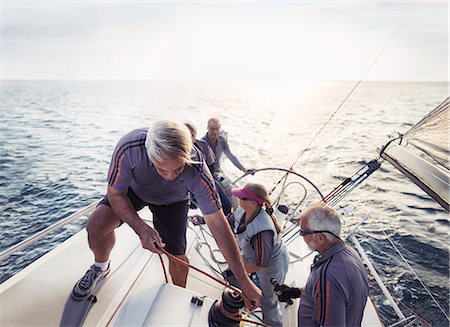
pixel 213 120
pixel 169 139
pixel 323 217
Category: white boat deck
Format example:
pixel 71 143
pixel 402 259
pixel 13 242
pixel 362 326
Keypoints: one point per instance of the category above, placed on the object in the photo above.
pixel 135 293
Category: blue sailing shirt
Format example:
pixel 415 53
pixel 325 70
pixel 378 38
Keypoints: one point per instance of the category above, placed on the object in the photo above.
pixel 336 290
pixel 131 167
pixel 221 146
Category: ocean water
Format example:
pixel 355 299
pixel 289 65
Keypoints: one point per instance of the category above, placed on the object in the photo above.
pixel 57 138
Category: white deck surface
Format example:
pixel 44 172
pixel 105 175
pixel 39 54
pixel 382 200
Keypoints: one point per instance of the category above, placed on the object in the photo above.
pixel 134 295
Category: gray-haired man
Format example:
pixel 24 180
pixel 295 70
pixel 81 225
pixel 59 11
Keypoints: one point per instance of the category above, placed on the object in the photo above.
pixel 337 288
pixel 157 167
pixel 219 145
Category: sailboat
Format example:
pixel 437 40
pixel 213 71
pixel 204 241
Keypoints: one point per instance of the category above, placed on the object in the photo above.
pixel 138 291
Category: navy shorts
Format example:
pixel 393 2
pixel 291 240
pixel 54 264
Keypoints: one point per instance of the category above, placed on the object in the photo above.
pixel 169 220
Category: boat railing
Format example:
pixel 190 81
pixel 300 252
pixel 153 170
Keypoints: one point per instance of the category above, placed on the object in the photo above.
pixel 287 172
pixel 375 275
pixel 404 321
pixel 408 321
pixel 39 235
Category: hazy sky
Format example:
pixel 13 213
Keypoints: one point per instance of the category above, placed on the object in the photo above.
pixel 186 40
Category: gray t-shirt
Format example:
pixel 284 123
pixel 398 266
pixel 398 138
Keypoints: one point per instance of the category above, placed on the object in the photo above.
pixel 336 291
pixel 221 146
pixel 131 167
pixel 210 157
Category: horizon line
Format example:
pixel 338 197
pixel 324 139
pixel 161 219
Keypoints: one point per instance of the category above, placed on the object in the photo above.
pixel 212 80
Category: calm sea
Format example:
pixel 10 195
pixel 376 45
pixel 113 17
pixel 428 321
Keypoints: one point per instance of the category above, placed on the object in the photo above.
pixel 57 138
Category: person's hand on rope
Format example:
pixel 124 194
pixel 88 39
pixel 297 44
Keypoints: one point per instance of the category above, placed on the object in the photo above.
pixel 151 240
pixel 196 220
pixel 252 296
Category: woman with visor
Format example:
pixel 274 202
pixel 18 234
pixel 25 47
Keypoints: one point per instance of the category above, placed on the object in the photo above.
pixel 258 234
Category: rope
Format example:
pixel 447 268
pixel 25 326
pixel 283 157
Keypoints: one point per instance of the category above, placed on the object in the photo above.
pixel 211 251
pixel 361 79
pixel 164 268
pixel 284 177
pixel 218 262
pixel 171 256
pixel 198 247
pixel 205 260
pixel 410 310
pixel 369 214
pixel 128 291
pixel 384 147
pixel 403 258
pixel 237 290
pixel 238 317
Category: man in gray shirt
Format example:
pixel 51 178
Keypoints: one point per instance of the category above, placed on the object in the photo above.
pixel 157 167
pixel 219 145
pixel 211 162
pixel 337 288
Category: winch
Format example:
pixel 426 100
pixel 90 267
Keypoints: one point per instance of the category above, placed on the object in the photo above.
pixel 226 313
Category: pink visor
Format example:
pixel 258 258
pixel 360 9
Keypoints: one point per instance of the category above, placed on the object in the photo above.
pixel 245 193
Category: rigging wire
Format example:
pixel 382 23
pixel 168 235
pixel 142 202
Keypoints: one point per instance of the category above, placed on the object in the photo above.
pixel 417 277
pixel 354 87
pixel 411 269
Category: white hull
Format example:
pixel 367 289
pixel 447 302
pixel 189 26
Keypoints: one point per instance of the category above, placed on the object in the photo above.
pixel 135 294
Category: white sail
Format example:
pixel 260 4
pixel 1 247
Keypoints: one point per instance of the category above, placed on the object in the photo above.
pixel 429 170
pixel 430 135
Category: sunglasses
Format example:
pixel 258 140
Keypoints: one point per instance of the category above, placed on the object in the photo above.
pixel 304 232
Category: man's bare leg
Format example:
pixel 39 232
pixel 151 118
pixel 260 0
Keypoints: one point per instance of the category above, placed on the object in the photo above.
pixel 178 271
pixel 100 228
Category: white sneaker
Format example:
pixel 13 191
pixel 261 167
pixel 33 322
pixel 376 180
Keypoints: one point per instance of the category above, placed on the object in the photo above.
pixel 84 287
